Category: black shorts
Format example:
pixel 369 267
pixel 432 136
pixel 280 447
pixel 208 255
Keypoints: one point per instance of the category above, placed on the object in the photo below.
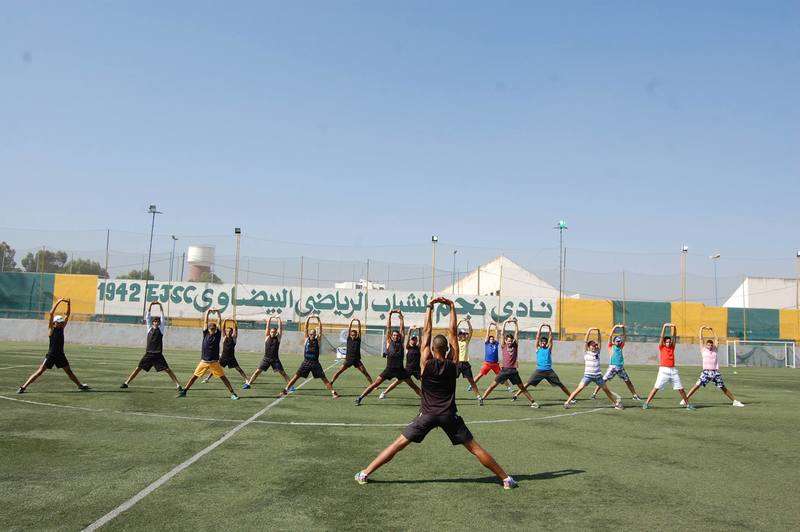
pixel 313 367
pixel 544 375
pixel 394 373
pixel 274 363
pixel 228 362
pixel 59 361
pixel 465 370
pixel 153 360
pixel 508 374
pixel 452 425
pixel 413 371
pixel 352 362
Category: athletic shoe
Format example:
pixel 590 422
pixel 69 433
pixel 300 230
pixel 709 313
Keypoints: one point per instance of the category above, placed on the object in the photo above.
pixel 382 395
pixel 691 407
pixel 646 406
pixel 123 385
pixel 205 381
pixel 358 401
pixel 361 478
pixel 181 393
pixel 567 404
pixel 534 405
pixel 292 389
pixel 245 386
pixel 20 390
pixel 335 395
pixel 514 397
pixel 637 398
pixel 84 387
pixel 573 402
pixel 618 406
pixel 683 402
pixel 234 397
pixel 480 401
pixel 593 397
pixel 737 403
pixel 509 484
pixel 180 388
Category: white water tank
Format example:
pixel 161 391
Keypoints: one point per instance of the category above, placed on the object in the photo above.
pixel 200 260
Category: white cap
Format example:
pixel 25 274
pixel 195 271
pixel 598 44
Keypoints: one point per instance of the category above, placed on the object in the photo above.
pixel 58 319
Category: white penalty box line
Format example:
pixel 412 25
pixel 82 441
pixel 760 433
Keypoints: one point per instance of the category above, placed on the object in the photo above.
pixel 127 505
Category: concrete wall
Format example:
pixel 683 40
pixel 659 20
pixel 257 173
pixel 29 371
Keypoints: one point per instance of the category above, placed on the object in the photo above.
pixel 121 335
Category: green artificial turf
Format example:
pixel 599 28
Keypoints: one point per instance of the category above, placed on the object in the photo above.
pixel 718 467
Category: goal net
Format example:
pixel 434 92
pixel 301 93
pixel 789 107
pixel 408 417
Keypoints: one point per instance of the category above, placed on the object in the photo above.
pixel 763 354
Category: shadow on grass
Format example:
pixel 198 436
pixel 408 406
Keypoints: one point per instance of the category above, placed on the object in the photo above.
pixel 547 475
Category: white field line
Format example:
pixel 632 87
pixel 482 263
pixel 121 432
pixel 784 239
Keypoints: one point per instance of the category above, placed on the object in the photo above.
pixel 127 505
pixel 292 423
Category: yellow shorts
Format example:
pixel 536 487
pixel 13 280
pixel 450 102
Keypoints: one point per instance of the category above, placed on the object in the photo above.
pixel 204 367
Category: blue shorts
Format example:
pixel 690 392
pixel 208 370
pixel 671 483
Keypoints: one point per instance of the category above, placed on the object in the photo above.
pixel 711 375
pixel 597 379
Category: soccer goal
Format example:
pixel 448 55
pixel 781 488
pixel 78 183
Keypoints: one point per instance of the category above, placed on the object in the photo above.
pixel 762 354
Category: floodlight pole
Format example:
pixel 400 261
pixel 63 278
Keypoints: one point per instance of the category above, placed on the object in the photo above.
pixel 171 270
pixel 146 274
pixel 561 226
pixel 715 257
pixel 434 240
pixel 238 232
pixel 455 252
pixel 684 251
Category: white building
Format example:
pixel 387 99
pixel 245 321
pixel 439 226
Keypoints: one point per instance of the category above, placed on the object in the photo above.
pixel 765 292
pixel 361 284
pixel 502 275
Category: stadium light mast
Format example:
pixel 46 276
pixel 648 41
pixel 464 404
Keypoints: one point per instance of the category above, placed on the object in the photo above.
pixel 171 265
pixel 797 296
pixel 561 226
pixel 434 240
pixel 238 232
pixel 715 257
pixel 684 252
pixel 152 210
pixel 453 276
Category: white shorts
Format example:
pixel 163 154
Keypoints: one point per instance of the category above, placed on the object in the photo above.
pixel 666 375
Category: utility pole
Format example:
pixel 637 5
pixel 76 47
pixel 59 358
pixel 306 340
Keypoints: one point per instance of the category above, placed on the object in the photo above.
pixel 146 274
pixel 455 252
pixel 434 240
pixel 714 258
pixel 684 251
pixel 561 226
pixel 238 232
pixel 171 270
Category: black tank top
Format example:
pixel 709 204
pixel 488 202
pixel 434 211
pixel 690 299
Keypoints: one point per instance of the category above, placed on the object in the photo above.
pixel 56 341
pixel 228 347
pixel 311 351
pixel 394 354
pixel 271 346
pixel 412 357
pixel 155 340
pixel 353 347
pixel 439 388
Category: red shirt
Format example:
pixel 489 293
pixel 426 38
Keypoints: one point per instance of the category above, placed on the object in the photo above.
pixel 667 356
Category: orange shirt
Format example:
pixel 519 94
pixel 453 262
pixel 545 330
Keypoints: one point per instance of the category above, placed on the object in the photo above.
pixel 667 356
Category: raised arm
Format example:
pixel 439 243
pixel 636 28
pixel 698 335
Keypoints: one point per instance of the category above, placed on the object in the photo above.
pixel 469 328
pixel 427 329
pixel 205 319
pixel 588 336
pixel 549 335
pixel 53 313
pixel 280 328
pixel 389 327
pixel 411 330
pixel 402 324
pixel 664 333
pixel 452 329
pixel 68 313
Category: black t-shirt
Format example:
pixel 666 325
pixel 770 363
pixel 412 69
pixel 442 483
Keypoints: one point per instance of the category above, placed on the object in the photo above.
pixel 439 388
pixel 271 346
pixel 412 356
pixel 155 340
pixel 228 346
pixel 353 347
pixel 211 345
pixel 56 341
pixel 394 354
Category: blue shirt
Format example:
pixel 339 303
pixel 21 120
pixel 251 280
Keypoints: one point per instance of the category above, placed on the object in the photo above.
pixel 544 358
pixel 490 352
pixel 616 356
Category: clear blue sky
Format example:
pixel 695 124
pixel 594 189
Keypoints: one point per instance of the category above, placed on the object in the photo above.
pixel 644 126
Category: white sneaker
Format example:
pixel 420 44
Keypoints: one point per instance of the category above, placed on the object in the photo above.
pixel 567 404
pixel 382 395
pixel 683 403
pixel 361 478
pixel 618 406
pixel 593 397
pixel 573 402
pixel 737 403
pixel 534 405
pixel 509 484
pixel 637 398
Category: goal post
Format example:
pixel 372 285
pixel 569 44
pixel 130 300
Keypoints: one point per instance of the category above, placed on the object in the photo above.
pixel 761 353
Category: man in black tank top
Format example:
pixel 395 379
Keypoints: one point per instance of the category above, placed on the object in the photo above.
pixel 154 348
pixel 353 356
pixel 272 344
pixel 55 356
pixel 227 358
pixel 438 405
pixel 412 361
pixel 393 352
pixel 311 365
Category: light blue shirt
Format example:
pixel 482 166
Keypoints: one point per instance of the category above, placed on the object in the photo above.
pixel 544 358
